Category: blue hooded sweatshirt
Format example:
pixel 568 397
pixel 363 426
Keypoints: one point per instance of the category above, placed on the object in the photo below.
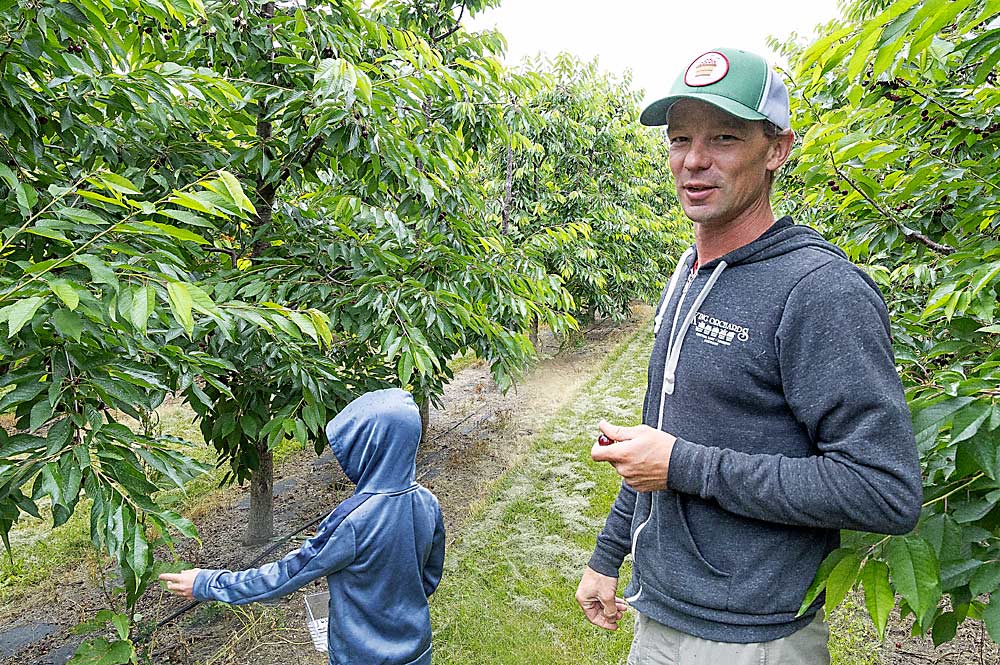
pixel 382 550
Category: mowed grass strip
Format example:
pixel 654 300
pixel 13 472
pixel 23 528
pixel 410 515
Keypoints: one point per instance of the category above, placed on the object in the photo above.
pixel 509 581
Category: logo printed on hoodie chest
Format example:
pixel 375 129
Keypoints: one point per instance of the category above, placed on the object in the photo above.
pixel 717 332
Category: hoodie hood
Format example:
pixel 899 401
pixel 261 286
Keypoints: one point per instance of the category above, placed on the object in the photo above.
pixel 782 237
pixel 375 439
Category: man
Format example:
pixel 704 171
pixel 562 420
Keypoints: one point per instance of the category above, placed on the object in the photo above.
pixel 773 415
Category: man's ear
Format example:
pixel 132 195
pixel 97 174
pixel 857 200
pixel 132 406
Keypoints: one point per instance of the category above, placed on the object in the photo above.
pixel 781 148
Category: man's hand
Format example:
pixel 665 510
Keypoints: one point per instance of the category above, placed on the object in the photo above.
pixel 182 583
pixel 640 455
pixel 596 595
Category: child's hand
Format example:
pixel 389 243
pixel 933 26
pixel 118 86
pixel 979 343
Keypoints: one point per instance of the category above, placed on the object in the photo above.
pixel 182 583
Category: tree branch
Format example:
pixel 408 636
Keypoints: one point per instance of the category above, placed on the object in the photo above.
pixel 454 29
pixel 223 250
pixel 908 234
pixel 286 172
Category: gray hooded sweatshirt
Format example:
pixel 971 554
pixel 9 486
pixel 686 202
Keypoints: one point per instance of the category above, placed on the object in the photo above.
pixel 774 369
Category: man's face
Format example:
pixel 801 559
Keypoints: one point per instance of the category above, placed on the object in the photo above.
pixel 720 162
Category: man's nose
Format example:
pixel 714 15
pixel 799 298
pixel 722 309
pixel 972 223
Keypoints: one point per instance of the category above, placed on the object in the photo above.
pixel 697 157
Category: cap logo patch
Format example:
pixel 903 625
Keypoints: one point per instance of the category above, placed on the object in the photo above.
pixel 707 69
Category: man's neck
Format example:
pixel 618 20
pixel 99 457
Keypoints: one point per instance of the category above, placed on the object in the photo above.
pixel 714 241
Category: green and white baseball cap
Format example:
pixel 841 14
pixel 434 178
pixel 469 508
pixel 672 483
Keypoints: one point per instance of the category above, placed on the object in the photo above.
pixel 736 81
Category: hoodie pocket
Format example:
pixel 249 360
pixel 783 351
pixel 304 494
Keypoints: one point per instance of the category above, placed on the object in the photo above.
pixel 671 561
pixel 776 565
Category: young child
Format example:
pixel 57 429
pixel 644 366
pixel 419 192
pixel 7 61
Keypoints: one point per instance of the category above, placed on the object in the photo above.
pixel 381 550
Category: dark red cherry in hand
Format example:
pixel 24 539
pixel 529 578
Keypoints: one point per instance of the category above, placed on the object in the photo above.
pixel 604 441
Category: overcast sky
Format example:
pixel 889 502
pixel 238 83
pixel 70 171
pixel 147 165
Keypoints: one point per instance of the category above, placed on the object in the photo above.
pixel 655 39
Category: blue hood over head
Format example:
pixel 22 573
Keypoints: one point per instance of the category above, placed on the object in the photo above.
pixel 375 439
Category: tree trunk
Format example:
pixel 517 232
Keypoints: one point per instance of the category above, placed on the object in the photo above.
pixel 533 335
pixel 425 417
pixel 260 519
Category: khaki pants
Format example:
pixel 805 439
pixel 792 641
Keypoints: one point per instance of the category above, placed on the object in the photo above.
pixel 656 644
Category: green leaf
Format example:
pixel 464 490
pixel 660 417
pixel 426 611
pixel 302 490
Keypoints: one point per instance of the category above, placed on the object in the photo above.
pixel 986 452
pixel 202 302
pixel 117 183
pixel 235 191
pixel 969 419
pixel 304 324
pixel 143 302
pixel 186 217
pixel 991 617
pixel 121 394
pixel 841 580
pixel 99 270
pixel 973 511
pixel 8 176
pixel 82 216
pixel 178 233
pixel 69 324
pixel 66 292
pixel 958 574
pixel 945 628
pixel 822 573
pixel 193 202
pixel 879 599
pixel 986 579
pixel 929 421
pixel 121 624
pixel 405 368
pixel 51 234
pixel 22 393
pixel 139 560
pixel 20 313
pixel 915 573
pixel 101 652
pixel 182 524
pixel 180 305
pixel 40 414
pixel 322 324
pixel 945 536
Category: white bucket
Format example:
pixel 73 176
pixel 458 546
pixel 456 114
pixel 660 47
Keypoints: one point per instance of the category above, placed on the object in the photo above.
pixel 318 618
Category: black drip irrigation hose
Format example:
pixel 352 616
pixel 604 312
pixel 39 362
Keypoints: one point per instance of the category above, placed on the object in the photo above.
pixel 450 430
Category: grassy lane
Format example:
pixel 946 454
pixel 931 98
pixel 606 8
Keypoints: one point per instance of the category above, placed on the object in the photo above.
pixel 507 593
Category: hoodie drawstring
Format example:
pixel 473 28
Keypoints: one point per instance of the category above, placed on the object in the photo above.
pixel 675 341
pixel 681 264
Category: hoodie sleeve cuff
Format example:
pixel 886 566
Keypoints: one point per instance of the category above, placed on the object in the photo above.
pixel 201 582
pixel 605 563
pixel 690 468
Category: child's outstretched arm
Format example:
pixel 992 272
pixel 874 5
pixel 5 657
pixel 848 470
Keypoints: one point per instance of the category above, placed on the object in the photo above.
pixel 435 560
pixel 331 549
